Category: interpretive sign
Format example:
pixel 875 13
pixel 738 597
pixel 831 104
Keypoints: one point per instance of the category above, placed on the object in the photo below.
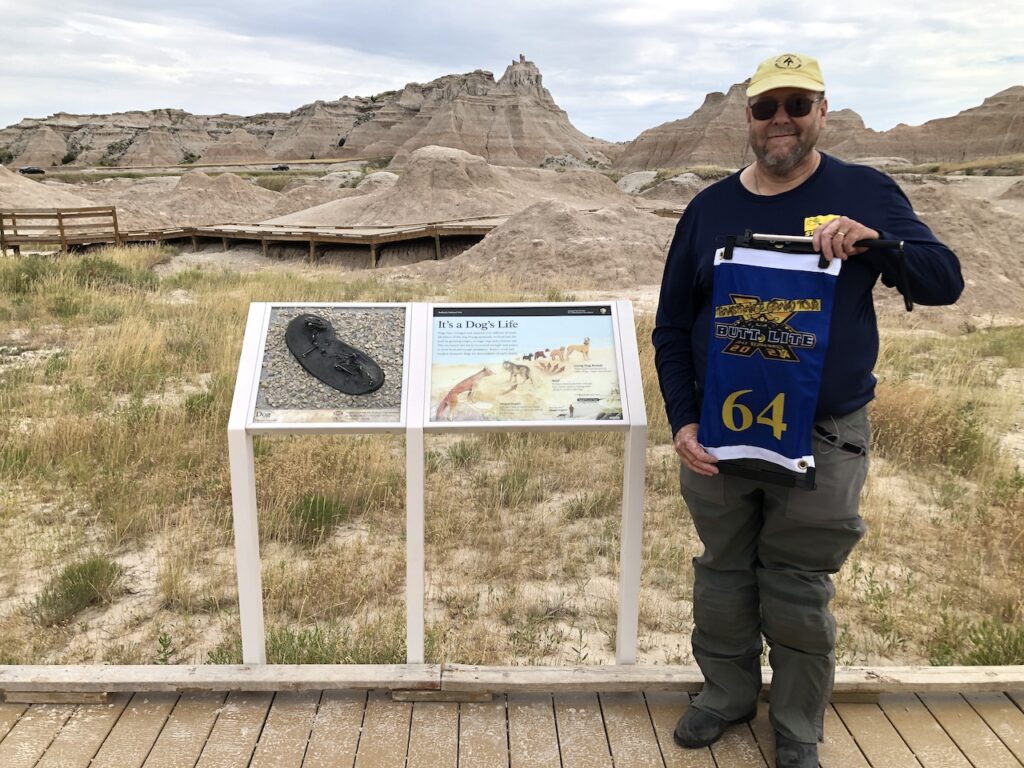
pixel 524 363
pixel 415 368
pixel 331 364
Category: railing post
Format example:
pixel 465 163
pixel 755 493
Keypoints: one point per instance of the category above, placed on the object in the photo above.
pixel 60 227
pixel 117 232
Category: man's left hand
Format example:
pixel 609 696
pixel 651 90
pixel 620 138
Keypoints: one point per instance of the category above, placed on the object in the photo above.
pixel 835 239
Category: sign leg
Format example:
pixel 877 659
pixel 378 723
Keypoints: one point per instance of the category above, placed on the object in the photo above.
pixel 247 547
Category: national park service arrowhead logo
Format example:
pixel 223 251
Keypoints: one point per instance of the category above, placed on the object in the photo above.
pixel 763 327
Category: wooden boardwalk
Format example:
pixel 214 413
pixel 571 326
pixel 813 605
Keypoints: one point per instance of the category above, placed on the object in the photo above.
pixel 368 729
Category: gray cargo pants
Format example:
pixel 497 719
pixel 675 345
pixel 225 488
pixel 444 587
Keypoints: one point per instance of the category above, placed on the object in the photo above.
pixel 769 553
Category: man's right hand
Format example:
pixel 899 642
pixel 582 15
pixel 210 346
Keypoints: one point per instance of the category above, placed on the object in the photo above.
pixel 693 455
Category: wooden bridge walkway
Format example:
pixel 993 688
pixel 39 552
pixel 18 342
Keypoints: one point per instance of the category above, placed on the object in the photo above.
pixel 569 726
pixel 44 227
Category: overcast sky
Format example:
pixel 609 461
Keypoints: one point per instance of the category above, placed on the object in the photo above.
pixel 617 68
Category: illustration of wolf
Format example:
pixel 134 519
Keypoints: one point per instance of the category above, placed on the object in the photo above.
pixel 451 400
pixel 583 349
pixel 515 372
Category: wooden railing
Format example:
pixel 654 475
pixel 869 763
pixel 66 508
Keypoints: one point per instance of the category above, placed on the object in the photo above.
pixel 63 226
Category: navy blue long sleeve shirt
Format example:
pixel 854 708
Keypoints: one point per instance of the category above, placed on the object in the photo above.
pixel 682 326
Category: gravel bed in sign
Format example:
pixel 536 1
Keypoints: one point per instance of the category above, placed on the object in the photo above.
pixel 377 331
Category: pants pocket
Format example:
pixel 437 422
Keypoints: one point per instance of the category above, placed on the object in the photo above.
pixel 710 489
pixel 839 473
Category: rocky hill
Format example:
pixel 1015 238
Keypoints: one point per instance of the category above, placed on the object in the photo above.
pixel 993 129
pixel 716 134
pixel 512 121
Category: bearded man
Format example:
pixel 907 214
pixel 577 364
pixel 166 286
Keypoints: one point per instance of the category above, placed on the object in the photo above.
pixel 769 550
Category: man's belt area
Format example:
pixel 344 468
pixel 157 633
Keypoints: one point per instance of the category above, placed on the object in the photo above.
pixel 842 445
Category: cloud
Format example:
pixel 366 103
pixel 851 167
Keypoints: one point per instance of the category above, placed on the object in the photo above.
pixel 616 69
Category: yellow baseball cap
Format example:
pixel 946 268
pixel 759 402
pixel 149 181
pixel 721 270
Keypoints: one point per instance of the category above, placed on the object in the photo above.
pixel 787 70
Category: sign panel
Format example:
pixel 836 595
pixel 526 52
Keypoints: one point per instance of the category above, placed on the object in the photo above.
pixel 524 363
pixel 331 364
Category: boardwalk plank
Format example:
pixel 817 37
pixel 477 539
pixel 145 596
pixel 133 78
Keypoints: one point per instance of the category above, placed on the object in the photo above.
pixel 630 731
pixel 1002 717
pixel 385 739
pixel 434 739
pixel 975 739
pixel 764 733
pixel 666 707
pixel 581 735
pixel 875 735
pixel 738 749
pixel 135 732
pixel 532 735
pixel 182 740
pixel 483 735
pixel 335 736
pixel 931 744
pixel 283 741
pixel 9 715
pixel 234 735
pixel 84 733
pixel 1018 698
pixel 32 734
pixel 839 750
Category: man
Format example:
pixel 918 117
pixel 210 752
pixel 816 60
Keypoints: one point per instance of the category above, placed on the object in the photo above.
pixel 769 549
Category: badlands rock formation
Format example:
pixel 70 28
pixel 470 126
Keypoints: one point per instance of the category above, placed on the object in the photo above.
pixel 441 183
pixel 513 121
pixel 993 129
pixel 551 243
pixel 716 134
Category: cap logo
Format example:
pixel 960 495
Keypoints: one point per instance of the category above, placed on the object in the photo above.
pixel 788 61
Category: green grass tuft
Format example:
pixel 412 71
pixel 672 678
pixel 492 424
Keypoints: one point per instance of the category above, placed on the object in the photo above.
pixel 94 581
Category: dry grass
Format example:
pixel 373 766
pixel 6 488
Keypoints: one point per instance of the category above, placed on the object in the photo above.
pixel 115 386
pixel 1007 164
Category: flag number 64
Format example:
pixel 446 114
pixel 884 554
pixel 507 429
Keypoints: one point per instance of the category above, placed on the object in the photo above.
pixel 738 417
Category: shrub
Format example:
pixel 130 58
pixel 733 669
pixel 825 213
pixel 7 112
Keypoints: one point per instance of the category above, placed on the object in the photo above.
pixel 915 425
pixel 382 641
pixel 584 506
pixel 984 643
pixel 98 272
pixel 314 516
pixel 19 275
pixel 79 585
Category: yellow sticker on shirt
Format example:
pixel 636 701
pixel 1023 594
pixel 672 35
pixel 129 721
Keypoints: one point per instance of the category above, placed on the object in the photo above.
pixel 811 223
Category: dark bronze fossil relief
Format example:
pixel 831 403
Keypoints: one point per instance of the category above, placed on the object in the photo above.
pixel 312 340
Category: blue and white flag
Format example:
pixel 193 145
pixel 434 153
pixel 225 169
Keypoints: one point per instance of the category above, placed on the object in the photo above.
pixel 769 333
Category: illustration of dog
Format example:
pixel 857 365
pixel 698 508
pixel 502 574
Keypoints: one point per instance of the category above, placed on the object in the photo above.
pixel 558 354
pixel 538 354
pixel 583 349
pixel 528 356
pixel 451 401
pixel 516 372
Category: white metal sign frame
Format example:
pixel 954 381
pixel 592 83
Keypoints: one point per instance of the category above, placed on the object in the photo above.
pixel 414 421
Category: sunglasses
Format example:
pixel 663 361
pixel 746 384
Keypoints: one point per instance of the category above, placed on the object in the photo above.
pixel 795 106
